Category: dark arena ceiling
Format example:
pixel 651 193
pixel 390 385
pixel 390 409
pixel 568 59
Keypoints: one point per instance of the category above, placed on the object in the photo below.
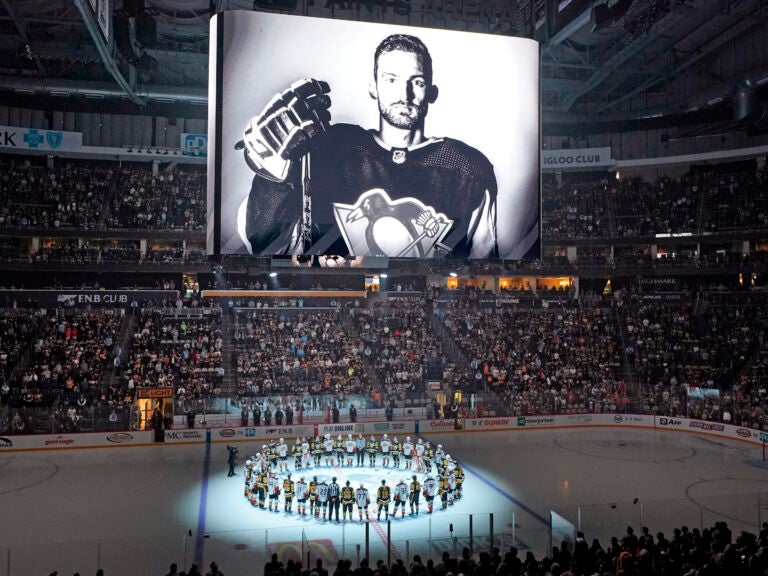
pixel 607 65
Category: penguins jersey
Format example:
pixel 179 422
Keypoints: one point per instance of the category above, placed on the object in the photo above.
pixel 383 495
pixel 430 487
pixel 386 446
pixel 362 498
pixel 401 492
pixel 347 495
pixel 443 486
pixel 317 447
pixel 322 492
pixel 302 490
pixel 443 175
pixel 397 448
pixel 289 488
pixel 415 488
pixel 373 447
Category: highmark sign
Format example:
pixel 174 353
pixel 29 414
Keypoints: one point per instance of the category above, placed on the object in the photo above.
pixel 16 138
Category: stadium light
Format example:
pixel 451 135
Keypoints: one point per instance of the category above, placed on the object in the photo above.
pixel 453 274
pixel 273 274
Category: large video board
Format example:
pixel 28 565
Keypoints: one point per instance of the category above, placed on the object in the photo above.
pixel 360 139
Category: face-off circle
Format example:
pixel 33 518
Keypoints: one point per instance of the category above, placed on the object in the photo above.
pixel 352 479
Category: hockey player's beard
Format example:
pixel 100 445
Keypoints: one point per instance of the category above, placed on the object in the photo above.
pixel 403 115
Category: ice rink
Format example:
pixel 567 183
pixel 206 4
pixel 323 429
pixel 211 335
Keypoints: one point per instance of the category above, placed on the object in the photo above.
pixel 136 510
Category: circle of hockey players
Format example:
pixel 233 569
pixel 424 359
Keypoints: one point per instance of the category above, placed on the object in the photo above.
pixel 353 478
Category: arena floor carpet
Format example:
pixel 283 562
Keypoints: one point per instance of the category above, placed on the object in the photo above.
pixel 135 510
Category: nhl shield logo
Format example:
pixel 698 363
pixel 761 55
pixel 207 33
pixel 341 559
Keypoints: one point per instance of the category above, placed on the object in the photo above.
pixel 54 139
pixel 376 225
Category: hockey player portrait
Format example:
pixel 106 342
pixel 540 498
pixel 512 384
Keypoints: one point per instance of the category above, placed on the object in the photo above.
pixel 379 143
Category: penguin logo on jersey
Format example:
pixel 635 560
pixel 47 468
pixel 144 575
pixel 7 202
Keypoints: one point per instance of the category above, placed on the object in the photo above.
pixel 376 225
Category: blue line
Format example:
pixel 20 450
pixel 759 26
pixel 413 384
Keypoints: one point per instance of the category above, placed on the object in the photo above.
pixel 509 497
pixel 200 539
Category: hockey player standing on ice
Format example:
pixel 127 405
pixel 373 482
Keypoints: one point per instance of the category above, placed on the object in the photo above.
pixel 282 453
pixel 347 500
pixel 439 456
pixel 328 445
pixel 401 497
pixel 443 489
pixel 428 457
pixel 350 446
pixel 302 493
pixel 385 446
pixel 383 498
pixel 372 448
pixel 262 484
pixel 419 450
pixel 415 493
pixel 430 491
pixel 296 452
pixel 450 478
pixel 322 498
pixel 338 446
pixel 362 499
pixel 289 490
pixel 459 473
pixel 317 450
pixel 408 452
pixel 306 455
pixel 273 488
pixel 313 507
pixel 397 449
pixel 432 195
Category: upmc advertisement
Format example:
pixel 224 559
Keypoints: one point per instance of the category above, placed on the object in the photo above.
pixel 360 139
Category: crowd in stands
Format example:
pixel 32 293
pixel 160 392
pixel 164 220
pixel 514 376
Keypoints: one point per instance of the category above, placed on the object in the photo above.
pixel 180 353
pixel 82 194
pixel 279 352
pixel 92 252
pixel 174 199
pixel 697 203
pixel 400 345
pixel 703 357
pixel 61 360
pixel 98 195
pixel 69 195
pixel 545 361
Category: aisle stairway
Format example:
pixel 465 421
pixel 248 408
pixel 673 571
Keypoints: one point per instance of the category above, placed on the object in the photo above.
pixel 229 384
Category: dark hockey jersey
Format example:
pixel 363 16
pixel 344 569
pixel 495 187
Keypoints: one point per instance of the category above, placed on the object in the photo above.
pixel 444 176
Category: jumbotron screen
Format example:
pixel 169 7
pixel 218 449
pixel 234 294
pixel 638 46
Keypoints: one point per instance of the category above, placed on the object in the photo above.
pixel 359 139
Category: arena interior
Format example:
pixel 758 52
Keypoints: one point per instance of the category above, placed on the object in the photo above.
pixel 597 410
